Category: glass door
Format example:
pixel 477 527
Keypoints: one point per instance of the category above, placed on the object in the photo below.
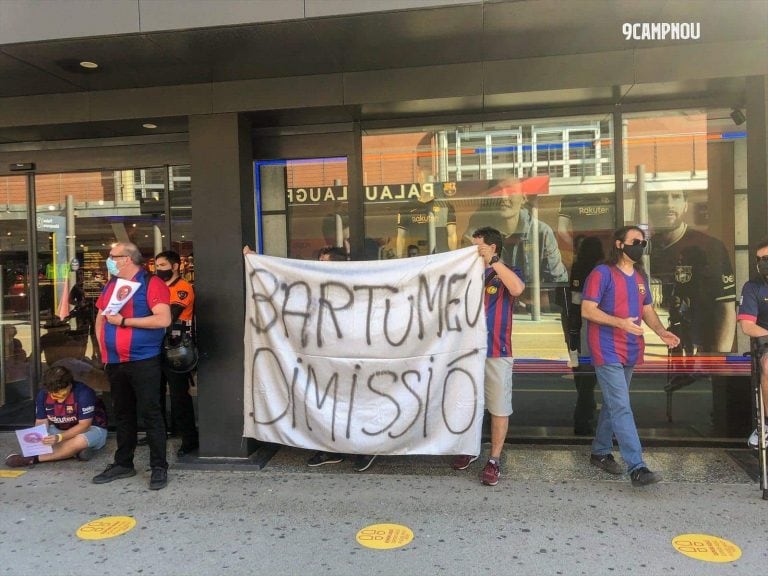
pixel 16 345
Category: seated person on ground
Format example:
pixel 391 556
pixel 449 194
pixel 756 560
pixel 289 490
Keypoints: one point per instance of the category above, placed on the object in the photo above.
pixel 75 418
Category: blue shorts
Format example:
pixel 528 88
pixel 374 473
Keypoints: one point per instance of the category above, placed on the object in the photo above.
pixel 95 436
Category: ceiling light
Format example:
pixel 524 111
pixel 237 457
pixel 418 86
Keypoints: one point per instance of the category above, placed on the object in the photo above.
pixel 149 126
pixel 89 65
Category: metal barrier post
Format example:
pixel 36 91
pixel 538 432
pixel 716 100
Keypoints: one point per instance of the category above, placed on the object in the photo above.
pixel 759 346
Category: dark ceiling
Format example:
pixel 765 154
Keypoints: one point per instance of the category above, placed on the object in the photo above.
pixel 451 34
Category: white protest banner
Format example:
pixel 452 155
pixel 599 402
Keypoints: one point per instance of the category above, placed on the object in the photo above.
pixel 381 357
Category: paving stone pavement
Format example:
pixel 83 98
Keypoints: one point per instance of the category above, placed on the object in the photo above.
pixel 552 513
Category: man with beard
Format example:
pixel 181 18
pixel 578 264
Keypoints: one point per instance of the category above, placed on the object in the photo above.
pixel 698 285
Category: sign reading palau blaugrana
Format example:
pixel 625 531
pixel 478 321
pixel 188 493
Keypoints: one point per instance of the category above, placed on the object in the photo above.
pixel 381 357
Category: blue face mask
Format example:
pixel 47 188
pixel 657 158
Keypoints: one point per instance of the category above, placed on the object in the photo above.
pixel 112 267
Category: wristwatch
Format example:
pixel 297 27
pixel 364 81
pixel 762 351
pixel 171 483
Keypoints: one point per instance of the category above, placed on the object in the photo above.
pixel 494 259
pixel 122 322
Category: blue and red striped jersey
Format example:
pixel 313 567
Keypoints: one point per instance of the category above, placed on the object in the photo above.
pixel 753 304
pixel 80 404
pixel 499 314
pixel 128 344
pixel 622 296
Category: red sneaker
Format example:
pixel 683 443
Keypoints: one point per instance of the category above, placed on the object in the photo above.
pixel 491 474
pixel 462 462
pixel 17 460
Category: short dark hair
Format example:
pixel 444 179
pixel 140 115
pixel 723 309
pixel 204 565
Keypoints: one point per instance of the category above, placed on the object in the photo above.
pixel 762 244
pixel 171 256
pixel 490 236
pixel 335 253
pixel 57 378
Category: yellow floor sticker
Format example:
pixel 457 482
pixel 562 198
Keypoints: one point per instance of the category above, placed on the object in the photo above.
pixel 384 536
pixel 11 473
pixel 107 527
pixel 707 548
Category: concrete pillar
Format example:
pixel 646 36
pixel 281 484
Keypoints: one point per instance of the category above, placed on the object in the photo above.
pixel 223 219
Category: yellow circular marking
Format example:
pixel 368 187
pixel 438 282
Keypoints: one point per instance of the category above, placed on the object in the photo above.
pixel 491 289
pixel 107 527
pixel 384 536
pixel 707 548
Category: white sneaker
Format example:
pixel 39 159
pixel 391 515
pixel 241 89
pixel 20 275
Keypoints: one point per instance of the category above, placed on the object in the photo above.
pixel 752 442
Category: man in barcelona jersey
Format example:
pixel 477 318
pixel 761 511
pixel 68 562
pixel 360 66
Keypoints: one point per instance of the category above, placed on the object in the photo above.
pixel 616 297
pixel 130 341
pixel 502 285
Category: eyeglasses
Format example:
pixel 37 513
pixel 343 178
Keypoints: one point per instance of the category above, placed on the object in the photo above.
pixel 761 258
pixel 113 256
pixel 642 243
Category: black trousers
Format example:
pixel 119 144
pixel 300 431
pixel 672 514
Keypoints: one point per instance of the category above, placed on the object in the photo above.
pixel 182 408
pixel 135 390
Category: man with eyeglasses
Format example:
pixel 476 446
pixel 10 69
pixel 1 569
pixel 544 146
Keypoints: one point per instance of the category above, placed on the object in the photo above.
pixel 753 319
pixel 616 297
pixel 130 342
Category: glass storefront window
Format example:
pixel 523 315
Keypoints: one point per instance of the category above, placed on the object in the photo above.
pixel 680 185
pixel 685 183
pixel 303 206
pixel 545 184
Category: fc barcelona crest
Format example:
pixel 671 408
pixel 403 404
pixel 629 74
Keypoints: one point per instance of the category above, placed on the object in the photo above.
pixel 641 289
pixel 683 274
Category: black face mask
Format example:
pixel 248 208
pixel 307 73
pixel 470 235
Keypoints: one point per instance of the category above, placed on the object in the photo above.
pixel 762 268
pixel 164 275
pixel 634 251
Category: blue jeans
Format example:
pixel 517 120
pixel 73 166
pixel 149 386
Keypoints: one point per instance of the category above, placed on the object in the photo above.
pixel 616 418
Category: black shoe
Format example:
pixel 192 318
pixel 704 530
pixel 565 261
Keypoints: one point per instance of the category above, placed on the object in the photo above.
pixel 643 477
pixel 363 462
pixel 606 462
pixel 320 458
pixel 159 479
pixel 85 454
pixel 184 450
pixel 114 472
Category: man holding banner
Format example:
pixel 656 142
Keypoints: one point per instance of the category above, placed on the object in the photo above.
pixel 502 286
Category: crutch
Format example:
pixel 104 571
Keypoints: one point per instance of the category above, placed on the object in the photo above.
pixel 759 346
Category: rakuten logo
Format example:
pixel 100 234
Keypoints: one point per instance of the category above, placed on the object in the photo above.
pixel 661 30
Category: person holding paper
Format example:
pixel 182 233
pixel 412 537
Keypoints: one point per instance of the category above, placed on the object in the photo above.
pixel 130 339
pixel 74 416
